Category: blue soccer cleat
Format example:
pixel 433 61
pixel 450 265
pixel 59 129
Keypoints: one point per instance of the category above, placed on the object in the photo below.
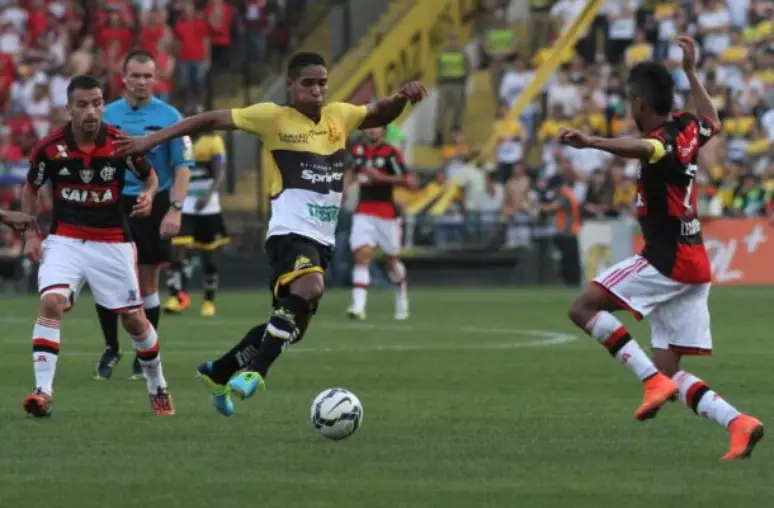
pixel 221 394
pixel 246 384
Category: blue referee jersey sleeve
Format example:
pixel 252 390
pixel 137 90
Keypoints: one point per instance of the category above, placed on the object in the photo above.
pixel 165 158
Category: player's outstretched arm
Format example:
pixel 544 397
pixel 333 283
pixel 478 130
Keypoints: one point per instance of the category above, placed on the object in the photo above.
pixel 385 111
pixel 221 119
pixel 628 148
pixel 17 220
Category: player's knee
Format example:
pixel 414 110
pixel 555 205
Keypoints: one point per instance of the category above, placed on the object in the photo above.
pixel 363 255
pixel 149 279
pixel 134 322
pixel 582 310
pixel 310 287
pixel 53 305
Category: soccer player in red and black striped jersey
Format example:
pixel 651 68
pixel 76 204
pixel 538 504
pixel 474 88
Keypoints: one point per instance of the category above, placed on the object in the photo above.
pixel 90 239
pixel 669 281
pixel 378 167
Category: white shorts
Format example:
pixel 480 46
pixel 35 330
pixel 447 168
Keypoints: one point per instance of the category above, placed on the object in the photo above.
pixel 109 268
pixel 677 312
pixel 371 231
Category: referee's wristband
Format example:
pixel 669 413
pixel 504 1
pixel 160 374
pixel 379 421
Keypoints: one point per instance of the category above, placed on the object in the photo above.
pixel 176 205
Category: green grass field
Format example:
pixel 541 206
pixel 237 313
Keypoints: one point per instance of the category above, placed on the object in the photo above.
pixel 485 398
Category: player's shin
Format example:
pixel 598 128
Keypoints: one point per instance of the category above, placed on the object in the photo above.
pixel 286 325
pixel 697 396
pixel 146 345
pixel 45 353
pixel 614 336
pixel 396 271
pixel 175 278
pixel 210 277
pixel 361 278
pixel 239 357
pixel 108 321
pixel 152 305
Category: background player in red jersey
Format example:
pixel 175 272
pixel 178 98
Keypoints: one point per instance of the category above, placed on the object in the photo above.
pixel 89 240
pixel 378 167
pixel 669 281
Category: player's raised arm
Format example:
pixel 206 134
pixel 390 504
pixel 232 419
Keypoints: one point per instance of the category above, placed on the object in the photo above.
pixel 701 99
pixel 385 111
pixel 629 148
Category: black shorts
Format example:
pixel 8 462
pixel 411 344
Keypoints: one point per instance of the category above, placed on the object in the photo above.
pixel 292 256
pixel 146 231
pixel 202 232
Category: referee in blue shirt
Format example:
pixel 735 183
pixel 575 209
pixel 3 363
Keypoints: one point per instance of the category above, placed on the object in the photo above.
pixel 140 113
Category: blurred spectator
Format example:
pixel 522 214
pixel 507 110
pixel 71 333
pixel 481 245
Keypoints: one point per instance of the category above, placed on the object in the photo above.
pixel 10 255
pixel 194 57
pixel 500 47
pixel 220 16
pixel 453 72
pixel 598 202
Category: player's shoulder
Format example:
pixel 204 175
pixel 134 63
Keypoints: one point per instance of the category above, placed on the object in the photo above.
pixel 166 109
pixel 56 137
pixel 342 108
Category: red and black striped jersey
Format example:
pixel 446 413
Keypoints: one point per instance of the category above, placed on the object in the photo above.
pixel 666 201
pixel 377 198
pixel 86 186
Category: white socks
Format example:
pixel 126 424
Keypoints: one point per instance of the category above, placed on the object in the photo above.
pixel 45 352
pixel 147 348
pixel 612 334
pixel 696 395
pixel 361 278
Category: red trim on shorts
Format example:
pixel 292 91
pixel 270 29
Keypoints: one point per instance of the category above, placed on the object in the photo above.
pixel 53 287
pixel 380 209
pixel 363 286
pixel 108 235
pixel 126 310
pixel 690 351
pixel 622 304
pixel 618 275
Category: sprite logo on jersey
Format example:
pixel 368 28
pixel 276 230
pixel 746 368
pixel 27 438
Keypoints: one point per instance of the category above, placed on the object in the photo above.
pixel 323 213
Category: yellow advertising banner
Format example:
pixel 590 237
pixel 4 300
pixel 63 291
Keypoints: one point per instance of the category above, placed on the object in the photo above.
pixel 409 51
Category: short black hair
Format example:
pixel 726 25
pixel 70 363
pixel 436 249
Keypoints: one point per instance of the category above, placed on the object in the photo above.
pixel 301 60
pixel 653 83
pixel 82 82
pixel 140 55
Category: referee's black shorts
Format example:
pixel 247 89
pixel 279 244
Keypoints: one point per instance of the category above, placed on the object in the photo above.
pixel 146 231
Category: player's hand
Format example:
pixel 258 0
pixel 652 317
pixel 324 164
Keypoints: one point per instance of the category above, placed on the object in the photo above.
pixel 573 138
pixel 143 206
pixel 412 182
pixel 17 220
pixel 33 248
pixel 413 91
pixel 170 225
pixel 688 45
pixel 126 145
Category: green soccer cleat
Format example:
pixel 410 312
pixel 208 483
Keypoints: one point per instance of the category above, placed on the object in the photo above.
pixel 246 384
pixel 221 394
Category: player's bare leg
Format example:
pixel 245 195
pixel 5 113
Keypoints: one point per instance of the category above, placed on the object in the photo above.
pixel 745 431
pixel 396 272
pixel 151 303
pixel 45 352
pixel 146 345
pixel 591 312
pixel 361 279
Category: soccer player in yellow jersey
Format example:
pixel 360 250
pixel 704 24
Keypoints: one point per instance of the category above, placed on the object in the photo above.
pixel 202 228
pixel 307 143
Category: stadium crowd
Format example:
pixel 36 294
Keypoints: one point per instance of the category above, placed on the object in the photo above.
pixel 44 42
pixel 532 171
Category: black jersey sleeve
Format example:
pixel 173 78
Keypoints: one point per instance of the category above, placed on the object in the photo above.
pixel 707 129
pixel 38 172
pixel 139 166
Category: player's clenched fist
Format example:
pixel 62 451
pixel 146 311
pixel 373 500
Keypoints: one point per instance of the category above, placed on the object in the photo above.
pixel 573 138
pixel 413 91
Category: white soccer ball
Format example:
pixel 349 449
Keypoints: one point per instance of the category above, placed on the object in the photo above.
pixel 336 413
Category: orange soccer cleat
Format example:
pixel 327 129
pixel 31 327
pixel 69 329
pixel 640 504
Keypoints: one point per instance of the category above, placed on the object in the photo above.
pixel 162 404
pixel 37 404
pixel 659 389
pixel 745 432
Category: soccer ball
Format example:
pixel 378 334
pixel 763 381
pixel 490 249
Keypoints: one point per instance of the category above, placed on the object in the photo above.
pixel 336 413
